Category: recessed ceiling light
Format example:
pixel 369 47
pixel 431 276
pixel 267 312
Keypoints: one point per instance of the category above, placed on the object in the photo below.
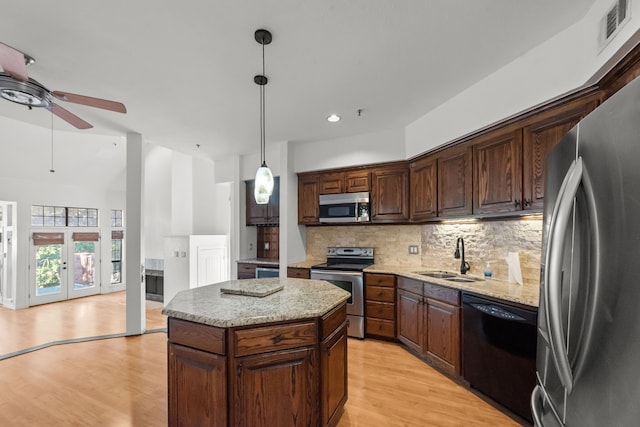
pixel 333 118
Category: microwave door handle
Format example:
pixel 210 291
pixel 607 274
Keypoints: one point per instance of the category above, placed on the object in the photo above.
pixel 553 273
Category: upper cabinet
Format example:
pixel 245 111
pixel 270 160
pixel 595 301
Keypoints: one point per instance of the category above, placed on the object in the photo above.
pixel 423 187
pixel 308 199
pixel 538 140
pixel 454 181
pixel 267 214
pixel 497 172
pixel 345 182
pixel 389 193
pixel 440 184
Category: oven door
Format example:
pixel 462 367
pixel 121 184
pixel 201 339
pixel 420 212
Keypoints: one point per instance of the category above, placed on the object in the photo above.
pixel 350 281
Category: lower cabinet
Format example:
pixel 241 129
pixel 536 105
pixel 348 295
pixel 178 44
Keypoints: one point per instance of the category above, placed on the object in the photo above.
pixel 298 272
pixel 333 363
pixel 276 389
pixel 429 322
pixel 380 305
pixel 282 374
pixel 197 394
pixel 246 270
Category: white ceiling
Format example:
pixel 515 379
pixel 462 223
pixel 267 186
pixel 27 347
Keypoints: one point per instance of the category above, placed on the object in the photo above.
pixel 185 69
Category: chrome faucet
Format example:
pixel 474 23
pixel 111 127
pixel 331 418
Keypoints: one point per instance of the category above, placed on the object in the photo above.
pixel 464 266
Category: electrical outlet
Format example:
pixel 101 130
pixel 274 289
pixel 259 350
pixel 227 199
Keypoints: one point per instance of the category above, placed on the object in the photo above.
pixel 266 246
pixel 413 249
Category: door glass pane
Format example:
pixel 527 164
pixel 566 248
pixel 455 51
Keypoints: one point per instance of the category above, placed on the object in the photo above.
pixel 48 263
pixel 84 265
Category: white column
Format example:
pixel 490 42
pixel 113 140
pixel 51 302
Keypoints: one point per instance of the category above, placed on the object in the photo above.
pixel 293 237
pixel 134 223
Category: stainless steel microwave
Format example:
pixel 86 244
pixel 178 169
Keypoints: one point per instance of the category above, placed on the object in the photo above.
pixel 344 207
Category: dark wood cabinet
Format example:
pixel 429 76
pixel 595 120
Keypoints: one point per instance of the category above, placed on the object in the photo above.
pixel 276 389
pixel 429 322
pixel 380 305
pixel 281 374
pixel 197 394
pixel 539 138
pixel 389 194
pixel 443 334
pixel 333 363
pixel 497 166
pixel 441 184
pixel 410 319
pixel 345 182
pixel 246 270
pixel 267 214
pixel 308 199
pixel 455 181
pixel 299 273
pixel 423 188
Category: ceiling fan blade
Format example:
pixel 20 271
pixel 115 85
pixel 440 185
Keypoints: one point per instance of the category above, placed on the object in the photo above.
pixel 12 62
pixel 68 116
pixel 90 101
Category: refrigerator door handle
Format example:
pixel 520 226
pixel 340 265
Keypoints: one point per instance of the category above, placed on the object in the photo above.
pixel 538 397
pixel 553 273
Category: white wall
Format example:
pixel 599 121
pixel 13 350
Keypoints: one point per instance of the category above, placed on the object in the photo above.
pixel 206 200
pixel 559 65
pixel 354 150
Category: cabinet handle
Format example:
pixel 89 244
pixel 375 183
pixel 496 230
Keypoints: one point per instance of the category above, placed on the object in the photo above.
pixel 527 202
pixel 516 203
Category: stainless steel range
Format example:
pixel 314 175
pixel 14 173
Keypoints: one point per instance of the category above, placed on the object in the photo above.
pixel 344 269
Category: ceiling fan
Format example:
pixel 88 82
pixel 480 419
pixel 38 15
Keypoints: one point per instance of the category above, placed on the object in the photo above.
pixel 18 87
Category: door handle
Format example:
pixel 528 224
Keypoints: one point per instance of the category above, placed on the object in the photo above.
pixel 553 273
pixel 536 406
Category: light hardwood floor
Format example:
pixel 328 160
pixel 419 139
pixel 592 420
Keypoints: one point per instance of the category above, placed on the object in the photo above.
pixel 122 381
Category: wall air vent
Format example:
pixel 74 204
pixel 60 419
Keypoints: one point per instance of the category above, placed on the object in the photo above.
pixel 617 15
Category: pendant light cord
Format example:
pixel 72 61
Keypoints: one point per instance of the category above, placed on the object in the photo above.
pixel 52 170
pixel 263 141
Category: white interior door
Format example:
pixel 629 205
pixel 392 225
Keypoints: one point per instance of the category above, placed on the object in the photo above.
pixel 64 265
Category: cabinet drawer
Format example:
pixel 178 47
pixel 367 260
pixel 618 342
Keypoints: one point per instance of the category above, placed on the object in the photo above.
pixel 332 320
pixel 378 293
pixel 410 285
pixel 272 338
pixel 441 293
pixel 246 271
pixel 381 310
pixel 386 280
pixel 196 335
pixel 298 273
pixel 382 328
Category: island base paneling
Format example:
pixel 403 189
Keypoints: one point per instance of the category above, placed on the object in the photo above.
pixel 287 373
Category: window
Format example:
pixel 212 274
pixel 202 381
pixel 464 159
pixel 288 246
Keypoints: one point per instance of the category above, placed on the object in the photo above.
pixel 116 218
pixel 116 258
pixel 116 246
pixel 58 216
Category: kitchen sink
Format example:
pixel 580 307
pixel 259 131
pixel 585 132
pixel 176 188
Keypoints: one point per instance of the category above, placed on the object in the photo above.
pixel 438 274
pixel 463 279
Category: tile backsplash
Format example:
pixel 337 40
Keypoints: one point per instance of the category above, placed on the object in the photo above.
pixel 487 241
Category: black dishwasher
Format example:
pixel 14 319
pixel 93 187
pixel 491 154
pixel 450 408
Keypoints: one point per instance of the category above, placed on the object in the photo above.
pixel 499 350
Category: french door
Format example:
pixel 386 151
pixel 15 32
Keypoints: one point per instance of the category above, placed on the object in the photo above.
pixel 64 265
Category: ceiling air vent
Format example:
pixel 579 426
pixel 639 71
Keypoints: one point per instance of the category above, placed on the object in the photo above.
pixel 615 18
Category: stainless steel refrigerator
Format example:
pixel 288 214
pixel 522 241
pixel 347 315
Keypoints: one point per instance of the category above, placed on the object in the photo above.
pixel 588 354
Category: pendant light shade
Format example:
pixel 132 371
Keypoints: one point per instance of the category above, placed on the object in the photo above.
pixel 263 185
pixel 264 177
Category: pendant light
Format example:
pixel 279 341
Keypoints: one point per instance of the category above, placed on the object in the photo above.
pixel 264 177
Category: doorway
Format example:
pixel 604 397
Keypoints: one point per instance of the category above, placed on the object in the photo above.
pixel 64 265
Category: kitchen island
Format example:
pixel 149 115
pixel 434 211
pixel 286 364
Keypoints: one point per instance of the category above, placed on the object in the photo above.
pixel 242 360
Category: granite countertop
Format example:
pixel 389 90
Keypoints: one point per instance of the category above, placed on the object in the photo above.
pixel 299 299
pixel 306 263
pixel 261 261
pixel 523 294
